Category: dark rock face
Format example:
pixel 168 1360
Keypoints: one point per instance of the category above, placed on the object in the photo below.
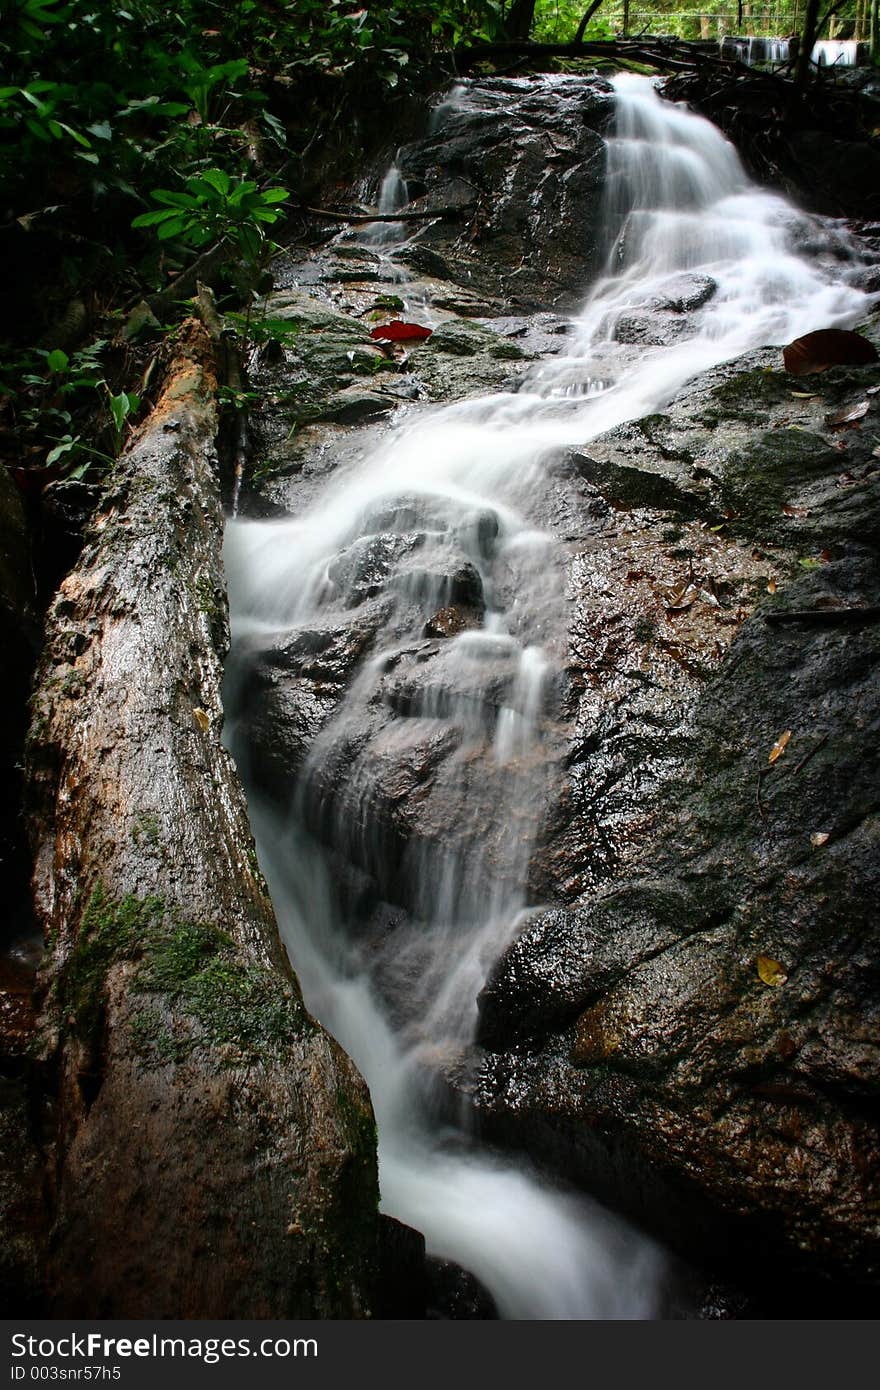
pixel 454 1295
pixel 529 154
pixel 633 1039
pixel 22 1171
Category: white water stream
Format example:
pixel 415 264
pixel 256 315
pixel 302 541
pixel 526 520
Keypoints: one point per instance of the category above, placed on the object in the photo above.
pixel 679 206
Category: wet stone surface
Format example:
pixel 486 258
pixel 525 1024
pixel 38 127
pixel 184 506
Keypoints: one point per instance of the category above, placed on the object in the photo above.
pixel 626 1037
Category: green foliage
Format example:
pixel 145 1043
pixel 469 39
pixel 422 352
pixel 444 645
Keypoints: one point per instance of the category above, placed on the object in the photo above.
pixel 556 21
pixel 214 206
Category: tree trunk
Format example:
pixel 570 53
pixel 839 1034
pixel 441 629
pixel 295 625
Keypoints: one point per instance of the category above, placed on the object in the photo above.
pixel 808 38
pixel 215 1152
pixel 587 16
pixel 520 19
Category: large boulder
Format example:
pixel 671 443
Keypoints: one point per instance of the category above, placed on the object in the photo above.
pixel 692 1031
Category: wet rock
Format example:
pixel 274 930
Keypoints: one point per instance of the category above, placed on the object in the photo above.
pixel 466 339
pixel 463 358
pixel 402 1282
pixel 648 329
pixel 532 155
pixel 363 569
pixel 450 621
pixel 836 176
pixel 454 1295
pixel 23 1198
pixel 633 1040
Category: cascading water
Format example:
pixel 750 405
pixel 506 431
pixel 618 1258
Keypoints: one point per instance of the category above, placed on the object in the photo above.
pixel 840 53
pixel 443 501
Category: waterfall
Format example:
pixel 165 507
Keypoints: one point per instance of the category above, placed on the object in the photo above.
pixel 445 495
pixel 752 50
pixel 841 53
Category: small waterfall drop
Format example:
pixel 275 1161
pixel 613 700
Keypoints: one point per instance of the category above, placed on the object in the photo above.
pixel 840 53
pixel 392 197
pixel 685 225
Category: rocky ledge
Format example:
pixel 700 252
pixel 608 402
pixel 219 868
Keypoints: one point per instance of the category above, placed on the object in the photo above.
pixel 692 1031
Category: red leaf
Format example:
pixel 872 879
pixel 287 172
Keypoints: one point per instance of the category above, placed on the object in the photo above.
pixel 398 332
pixel 829 347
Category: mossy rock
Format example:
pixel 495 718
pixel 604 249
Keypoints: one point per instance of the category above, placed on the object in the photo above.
pixel 465 338
pixel 188 970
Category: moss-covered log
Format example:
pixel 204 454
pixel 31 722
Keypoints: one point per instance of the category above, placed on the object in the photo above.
pixel 215 1151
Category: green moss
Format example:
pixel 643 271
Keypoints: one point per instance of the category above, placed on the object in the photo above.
pixel 748 395
pixel 194 969
pixel 210 600
pixel 146 827
pixel 152 1039
pixel 108 932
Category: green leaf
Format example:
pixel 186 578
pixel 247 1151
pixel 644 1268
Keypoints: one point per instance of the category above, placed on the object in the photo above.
pixel 57 361
pixel 38 131
pixel 172 200
pixel 152 219
pixel 64 446
pixel 278 131
pixel 217 179
pixel 173 227
pixel 77 136
pixel 275 195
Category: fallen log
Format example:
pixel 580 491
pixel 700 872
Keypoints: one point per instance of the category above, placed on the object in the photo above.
pixel 213 1148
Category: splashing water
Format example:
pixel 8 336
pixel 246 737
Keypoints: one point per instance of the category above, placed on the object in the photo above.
pixel 685 227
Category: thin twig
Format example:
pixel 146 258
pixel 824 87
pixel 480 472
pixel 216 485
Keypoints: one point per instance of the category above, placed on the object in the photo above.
pixel 824 616
pixel 358 217
pixel 812 753
pixel 762 773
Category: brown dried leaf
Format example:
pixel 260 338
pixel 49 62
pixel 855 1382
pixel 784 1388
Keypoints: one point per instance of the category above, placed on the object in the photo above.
pixel 779 746
pixel 771 586
pixel 819 838
pixel 770 971
pixel 202 718
pixel 790 510
pixel 849 417
pixel 680 599
pixel 829 347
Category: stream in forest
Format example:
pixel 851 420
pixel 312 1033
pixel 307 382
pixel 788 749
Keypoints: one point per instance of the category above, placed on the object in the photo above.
pixel 683 221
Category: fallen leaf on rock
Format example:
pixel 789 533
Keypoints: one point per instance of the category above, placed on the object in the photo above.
pixel 790 510
pixel 825 556
pixel 770 971
pixel 779 746
pixel 828 347
pixel 804 395
pixel 771 586
pixel 677 600
pixel 819 838
pixel 849 417
pixel 202 719
pixel 399 332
